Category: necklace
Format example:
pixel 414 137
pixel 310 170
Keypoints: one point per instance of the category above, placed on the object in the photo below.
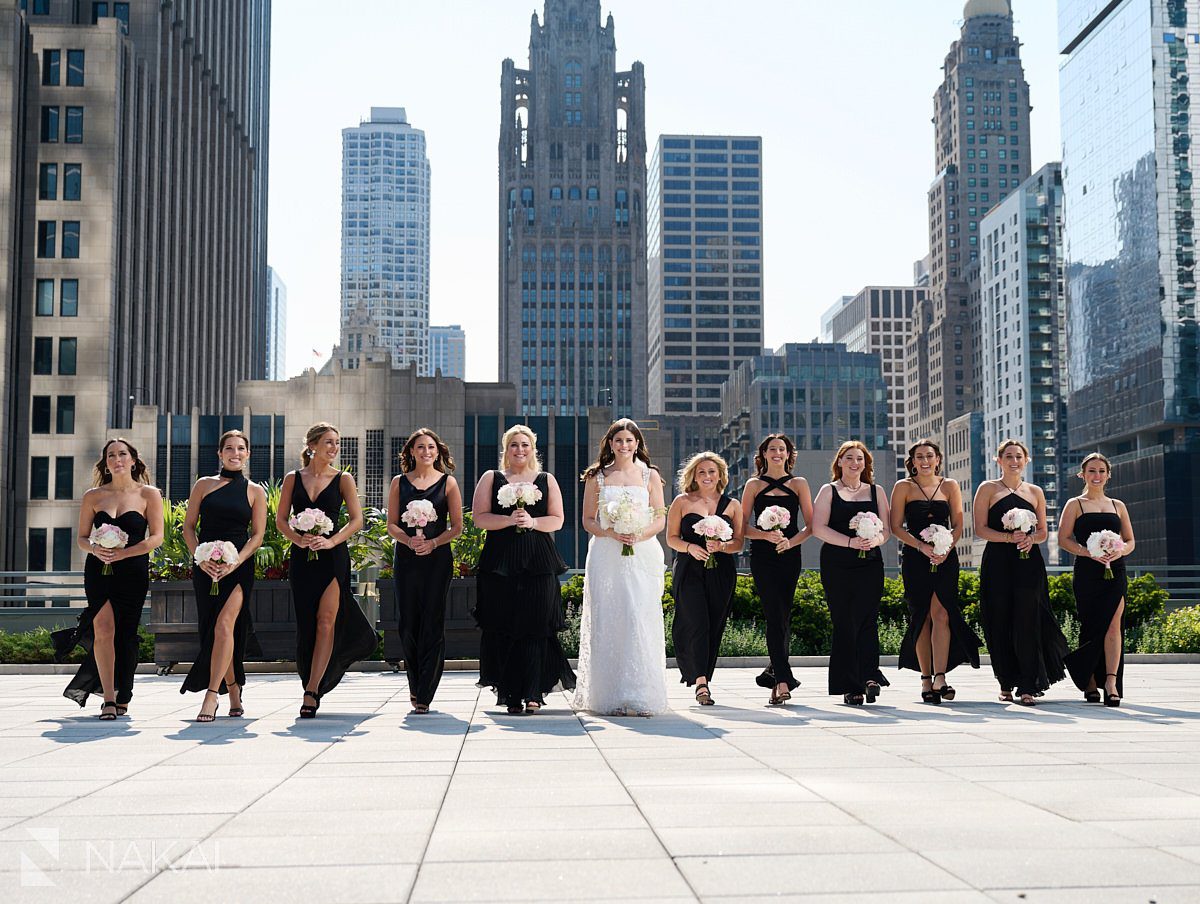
pixel 848 488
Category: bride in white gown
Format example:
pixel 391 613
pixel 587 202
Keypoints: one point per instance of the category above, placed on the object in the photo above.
pixel 622 650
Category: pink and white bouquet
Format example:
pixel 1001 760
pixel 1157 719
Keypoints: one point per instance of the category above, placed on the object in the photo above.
pixel 518 495
pixel 311 521
pixel 713 527
pixel 625 515
pixel 419 513
pixel 108 536
pixel 1106 543
pixel 867 526
pixel 216 551
pixel 941 538
pixel 1019 520
pixel 774 517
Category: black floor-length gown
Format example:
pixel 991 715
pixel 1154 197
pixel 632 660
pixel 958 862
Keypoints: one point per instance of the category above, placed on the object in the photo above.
pixel 354 638
pixel 1096 600
pixel 921 583
pixel 225 515
pixel 422 583
pixel 775 577
pixel 703 597
pixel 853 588
pixel 126 590
pixel 519 608
pixel 1023 637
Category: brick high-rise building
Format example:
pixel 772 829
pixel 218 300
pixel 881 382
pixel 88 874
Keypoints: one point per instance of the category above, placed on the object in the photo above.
pixel 572 219
pixel 981 141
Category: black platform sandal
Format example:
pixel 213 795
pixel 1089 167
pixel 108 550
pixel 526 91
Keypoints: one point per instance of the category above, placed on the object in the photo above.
pixel 122 708
pixel 1092 696
pixel 946 691
pixel 930 696
pixel 852 699
pixel 703 695
pixel 310 712
pixel 105 715
pixel 1111 699
pixel 872 691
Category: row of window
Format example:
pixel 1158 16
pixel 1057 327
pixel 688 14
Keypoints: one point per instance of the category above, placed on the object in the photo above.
pixel 51 125
pixel 64 477
pixel 52 68
pixel 44 411
pixel 43 355
pixel 739 172
pixel 47 238
pixel 64 542
pixel 72 180
pixel 712 144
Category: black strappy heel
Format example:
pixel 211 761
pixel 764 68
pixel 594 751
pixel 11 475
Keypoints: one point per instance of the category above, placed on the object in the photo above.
pixel 872 691
pixel 105 715
pixel 930 696
pixel 946 691
pixel 310 712
pixel 704 695
pixel 1111 699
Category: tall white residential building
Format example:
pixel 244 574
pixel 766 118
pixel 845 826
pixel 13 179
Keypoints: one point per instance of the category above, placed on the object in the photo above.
pixel 704 267
pixel 276 326
pixel 877 320
pixel 448 351
pixel 385 236
pixel 1023 330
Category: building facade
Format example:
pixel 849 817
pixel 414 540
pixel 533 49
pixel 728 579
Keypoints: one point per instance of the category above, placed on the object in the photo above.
pixel 965 462
pixel 1127 83
pixel 572 219
pixel 1023 351
pixel 385 234
pixel 276 326
pixel 704 262
pixel 133 165
pixel 876 320
pixel 448 351
pixel 981 142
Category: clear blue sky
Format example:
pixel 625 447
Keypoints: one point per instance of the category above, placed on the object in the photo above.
pixel 840 91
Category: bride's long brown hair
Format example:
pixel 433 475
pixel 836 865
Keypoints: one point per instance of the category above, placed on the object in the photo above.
pixel 606 456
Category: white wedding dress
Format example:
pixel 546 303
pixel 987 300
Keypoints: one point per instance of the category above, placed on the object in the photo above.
pixel 622 648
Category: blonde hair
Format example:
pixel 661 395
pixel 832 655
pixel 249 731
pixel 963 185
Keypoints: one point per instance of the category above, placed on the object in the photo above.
pixel 687 474
pixel 518 430
pixel 835 469
pixel 314 434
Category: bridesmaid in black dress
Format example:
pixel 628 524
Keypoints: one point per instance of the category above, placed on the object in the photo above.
pixel 331 631
pixel 1023 637
pixel 775 554
pixel 231 509
pixel 938 637
pixel 1100 601
pixel 108 628
pixel 703 594
pixel 853 584
pixel 423 561
pixel 519 606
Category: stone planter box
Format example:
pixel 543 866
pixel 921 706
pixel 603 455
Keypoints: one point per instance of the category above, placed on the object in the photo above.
pixel 176 639
pixel 462 636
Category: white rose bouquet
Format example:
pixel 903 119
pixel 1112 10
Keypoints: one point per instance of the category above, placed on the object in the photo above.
pixel 867 526
pixel 940 538
pixel 518 495
pixel 1019 520
pixel 713 527
pixel 216 551
pixel 311 521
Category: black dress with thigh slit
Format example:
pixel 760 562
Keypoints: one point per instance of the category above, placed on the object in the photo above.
pixel 1096 599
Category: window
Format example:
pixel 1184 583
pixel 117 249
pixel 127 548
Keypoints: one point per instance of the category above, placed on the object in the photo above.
pixel 43 351
pixel 68 348
pixel 37 549
pixel 46 238
pixel 72 181
pixel 44 298
pixel 69 298
pixel 51 63
pixel 48 182
pixel 65 422
pixel 39 477
pixel 70 238
pixel 75 68
pixel 118 11
pixel 64 477
pixel 41 7
pixel 63 540
pixel 74 125
pixel 49 128
pixel 40 414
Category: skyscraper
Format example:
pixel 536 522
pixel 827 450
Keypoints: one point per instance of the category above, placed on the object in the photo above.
pixel 705 292
pixel 1127 88
pixel 133 169
pixel 385 235
pixel 572 218
pixel 448 351
pixel 276 326
pixel 981 142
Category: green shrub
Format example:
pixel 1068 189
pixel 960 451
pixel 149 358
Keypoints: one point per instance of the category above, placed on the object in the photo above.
pixel 1062 595
pixel 812 628
pixel 1180 631
pixel 891 633
pixel 1144 600
pixel 36 647
pixel 743 638
pixel 893 607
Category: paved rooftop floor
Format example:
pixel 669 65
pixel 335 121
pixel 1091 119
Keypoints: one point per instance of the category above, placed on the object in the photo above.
pixel 899 802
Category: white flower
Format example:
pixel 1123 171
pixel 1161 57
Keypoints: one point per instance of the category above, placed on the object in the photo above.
pixel 419 513
pixel 774 517
pixel 216 551
pixel 714 527
pixel 109 536
pixel 939 537
pixel 1019 519
pixel 518 494
pixel 866 525
pixel 1105 543
pixel 311 521
pixel 625 515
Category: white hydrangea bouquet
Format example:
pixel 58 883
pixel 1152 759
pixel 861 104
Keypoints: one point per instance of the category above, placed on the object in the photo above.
pixel 941 538
pixel 1019 520
pixel 625 515
pixel 108 536
pixel 867 526
pixel 1106 543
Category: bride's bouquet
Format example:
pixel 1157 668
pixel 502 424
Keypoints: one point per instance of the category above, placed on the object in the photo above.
pixel 625 515
pixel 216 551
pixel 1019 520
pixel 940 538
pixel 713 527
pixel 868 526
pixel 419 514
pixel 774 517
pixel 108 536
pixel 311 521
pixel 1106 543
pixel 518 495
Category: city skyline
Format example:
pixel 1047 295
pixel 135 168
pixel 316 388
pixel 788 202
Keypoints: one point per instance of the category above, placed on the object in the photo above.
pixel 311 104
